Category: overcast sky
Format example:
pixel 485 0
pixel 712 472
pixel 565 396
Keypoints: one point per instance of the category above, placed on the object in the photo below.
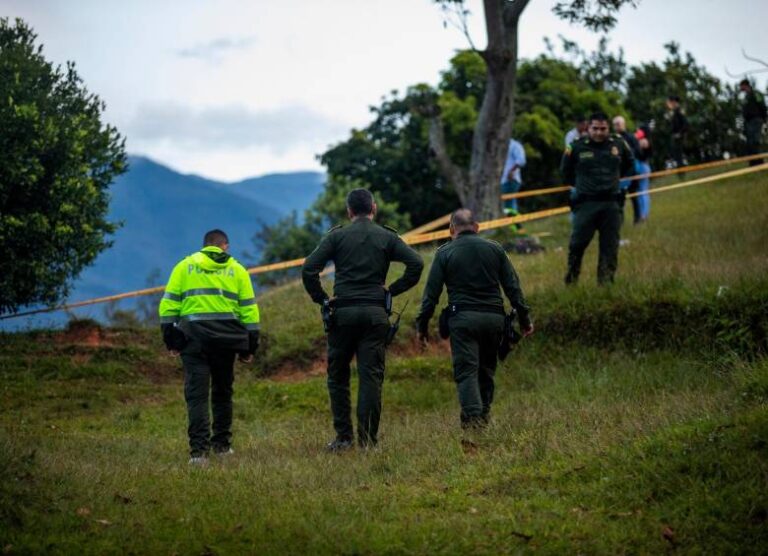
pixel 237 88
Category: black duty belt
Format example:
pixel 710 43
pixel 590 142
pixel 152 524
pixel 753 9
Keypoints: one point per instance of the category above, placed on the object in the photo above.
pixel 454 308
pixel 342 303
pixel 598 197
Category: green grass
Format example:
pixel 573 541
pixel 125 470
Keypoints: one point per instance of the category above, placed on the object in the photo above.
pixel 634 421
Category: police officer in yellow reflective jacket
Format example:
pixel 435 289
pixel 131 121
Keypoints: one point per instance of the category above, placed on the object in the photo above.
pixel 209 315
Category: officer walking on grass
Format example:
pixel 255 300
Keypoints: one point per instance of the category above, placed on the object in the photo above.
pixel 209 315
pixel 592 166
pixel 356 317
pixel 474 270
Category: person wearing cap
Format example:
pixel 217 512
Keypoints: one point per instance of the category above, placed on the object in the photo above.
pixel 209 316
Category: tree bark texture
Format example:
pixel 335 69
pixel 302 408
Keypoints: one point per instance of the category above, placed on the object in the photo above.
pixel 478 186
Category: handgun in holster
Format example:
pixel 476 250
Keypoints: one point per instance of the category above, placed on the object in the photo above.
pixel 510 336
pixel 326 312
pixel 395 326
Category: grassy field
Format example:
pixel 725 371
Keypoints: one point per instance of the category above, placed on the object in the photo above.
pixel 635 421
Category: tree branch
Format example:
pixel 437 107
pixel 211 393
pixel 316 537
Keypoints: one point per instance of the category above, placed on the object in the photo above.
pixel 447 168
pixel 512 12
pixel 749 72
pixel 494 24
pixel 751 59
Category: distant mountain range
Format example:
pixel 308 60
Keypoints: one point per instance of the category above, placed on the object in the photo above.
pixel 165 215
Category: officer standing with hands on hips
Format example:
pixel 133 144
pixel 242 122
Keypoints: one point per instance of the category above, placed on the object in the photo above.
pixel 209 315
pixel 474 270
pixel 593 165
pixel 356 317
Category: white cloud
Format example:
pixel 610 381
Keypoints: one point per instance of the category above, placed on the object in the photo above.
pixel 215 50
pixel 232 127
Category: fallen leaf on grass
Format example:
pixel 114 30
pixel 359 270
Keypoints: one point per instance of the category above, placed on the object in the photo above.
pixel 82 512
pixel 103 521
pixel 668 534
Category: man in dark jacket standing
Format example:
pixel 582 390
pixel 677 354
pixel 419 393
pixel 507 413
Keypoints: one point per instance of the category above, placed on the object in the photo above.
pixel 474 270
pixel 754 113
pixel 678 127
pixel 357 315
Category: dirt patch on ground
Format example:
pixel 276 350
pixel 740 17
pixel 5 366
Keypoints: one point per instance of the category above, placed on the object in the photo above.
pixel 85 333
pixel 292 372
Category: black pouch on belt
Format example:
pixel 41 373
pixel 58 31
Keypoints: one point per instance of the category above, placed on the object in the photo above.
pixel 443 328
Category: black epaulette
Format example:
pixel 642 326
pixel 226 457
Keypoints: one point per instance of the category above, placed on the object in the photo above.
pixel 390 228
pixel 334 228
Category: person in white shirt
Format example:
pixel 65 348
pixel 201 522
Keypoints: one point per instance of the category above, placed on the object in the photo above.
pixel 511 179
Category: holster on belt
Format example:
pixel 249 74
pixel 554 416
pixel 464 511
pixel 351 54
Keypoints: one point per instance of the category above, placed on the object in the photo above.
pixel 510 335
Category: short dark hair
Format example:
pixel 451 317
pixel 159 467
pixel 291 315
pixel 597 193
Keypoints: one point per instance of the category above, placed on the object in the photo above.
pixel 673 98
pixel 216 238
pixel 360 202
pixel 745 83
pixel 599 117
pixel 580 118
pixel 462 218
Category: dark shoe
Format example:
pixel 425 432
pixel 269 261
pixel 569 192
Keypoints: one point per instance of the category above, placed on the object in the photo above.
pixel 223 451
pixel 339 445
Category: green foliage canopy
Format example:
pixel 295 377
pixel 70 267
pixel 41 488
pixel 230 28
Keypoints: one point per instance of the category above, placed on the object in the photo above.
pixel 290 238
pixel 57 160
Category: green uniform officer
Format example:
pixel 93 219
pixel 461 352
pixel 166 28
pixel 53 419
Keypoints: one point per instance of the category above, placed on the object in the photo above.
pixel 361 251
pixel 593 166
pixel 474 270
pixel 208 315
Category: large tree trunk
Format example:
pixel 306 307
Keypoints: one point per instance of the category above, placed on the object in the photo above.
pixel 478 188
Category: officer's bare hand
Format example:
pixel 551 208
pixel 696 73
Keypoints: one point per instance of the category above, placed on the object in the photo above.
pixel 174 353
pixel 528 331
pixel 245 358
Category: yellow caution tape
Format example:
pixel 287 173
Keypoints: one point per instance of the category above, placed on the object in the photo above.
pixel 658 174
pixel 409 239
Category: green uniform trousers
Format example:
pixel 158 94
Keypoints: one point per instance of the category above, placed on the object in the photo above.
pixel 753 130
pixel 604 217
pixel 361 332
pixel 206 368
pixel 475 338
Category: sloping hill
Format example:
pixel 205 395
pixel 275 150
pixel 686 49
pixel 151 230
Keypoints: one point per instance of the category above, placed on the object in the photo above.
pixel 634 421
